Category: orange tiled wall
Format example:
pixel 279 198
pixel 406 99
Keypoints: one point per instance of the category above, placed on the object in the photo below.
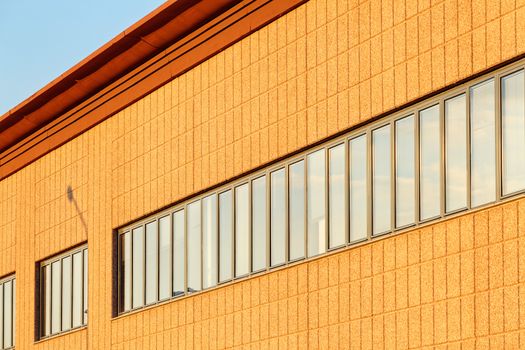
pixel 320 69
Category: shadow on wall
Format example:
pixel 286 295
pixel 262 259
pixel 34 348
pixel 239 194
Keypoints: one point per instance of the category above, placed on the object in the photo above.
pixel 72 199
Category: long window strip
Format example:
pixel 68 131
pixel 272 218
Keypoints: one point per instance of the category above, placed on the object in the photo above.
pixel 63 292
pixel 393 145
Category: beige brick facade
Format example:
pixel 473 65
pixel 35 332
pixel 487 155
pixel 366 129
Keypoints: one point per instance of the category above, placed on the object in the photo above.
pixel 322 68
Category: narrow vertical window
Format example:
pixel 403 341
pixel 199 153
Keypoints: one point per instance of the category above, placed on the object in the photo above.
pixel 66 292
pixel 85 293
pixel 8 314
pixel 77 289
pixel 297 214
pixel 316 199
pixel 513 132
pixel 138 267
pixel 259 224
pixel 381 218
pixel 226 235
pixel 56 276
pixel 482 144
pixel 278 218
pixel 405 172
pixel 126 270
pixel 336 196
pixel 178 253
pixel 209 240
pixel 358 189
pixel 456 153
pixel 47 300
pixel 151 262
pixel 242 231
pixel 13 319
pixel 194 247
pixel 164 258
pixel 430 163
pixel 1 315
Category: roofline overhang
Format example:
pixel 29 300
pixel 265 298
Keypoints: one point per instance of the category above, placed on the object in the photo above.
pixel 140 42
pixel 173 39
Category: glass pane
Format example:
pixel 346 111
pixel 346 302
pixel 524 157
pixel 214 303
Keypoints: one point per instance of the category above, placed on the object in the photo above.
pixel 126 270
pixel 77 289
pixel 66 293
pixel 336 195
pixel 242 231
pixel 430 160
pixel 226 235
pixel 194 247
pixel 178 253
pixel 297 210
pixel 138 267
pixel 8 314
pixel 151 262
pixel 56 276
pixel 47 298
pixel 164 258
pixel 316 184
pixel 14 312
pixel 483 144
pixel 2 318
pixel 85 285
pixel 513 132
pixel 456 153
pixel 358 189
pixel 405 172
pixel 381 216
pixel 259 224
pixel 277 219
pixel 209 240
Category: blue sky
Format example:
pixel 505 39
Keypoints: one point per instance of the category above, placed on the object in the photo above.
pixel 39 40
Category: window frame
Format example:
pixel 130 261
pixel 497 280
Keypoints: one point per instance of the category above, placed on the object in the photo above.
pixel 83 250
pixel 366 130
pixel 3 280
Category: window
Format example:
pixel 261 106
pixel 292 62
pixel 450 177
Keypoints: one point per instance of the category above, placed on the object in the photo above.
pixel 405 172
pixel 164 257
pixel 63 301
pixel 138 267
pixel 151 262
pixel 242 231
pixel 278 219
pixel 259 224
pixel 358 189
pixel 297 210
pixel 7 312
pixel 456 153
pixel 435 158
pixel 316 193
pixel 336 196
pixel 482 144
pixel 430 159
pixel 226 235
pixel 179 252
pixel 194 247
pixel 209 241
pixel 513 132
pixel 382 221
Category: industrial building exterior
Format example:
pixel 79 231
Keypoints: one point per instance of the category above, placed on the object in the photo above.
pixel 274 174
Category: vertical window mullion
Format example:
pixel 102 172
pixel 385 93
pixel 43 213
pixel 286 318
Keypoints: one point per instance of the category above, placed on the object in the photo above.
pixel 469 150
pixel 442 158
pixel 497 136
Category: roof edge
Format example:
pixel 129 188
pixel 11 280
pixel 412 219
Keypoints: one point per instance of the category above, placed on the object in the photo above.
pixel 126 51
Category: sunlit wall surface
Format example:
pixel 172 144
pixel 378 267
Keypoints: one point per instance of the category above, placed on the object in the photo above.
pixel 319 200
